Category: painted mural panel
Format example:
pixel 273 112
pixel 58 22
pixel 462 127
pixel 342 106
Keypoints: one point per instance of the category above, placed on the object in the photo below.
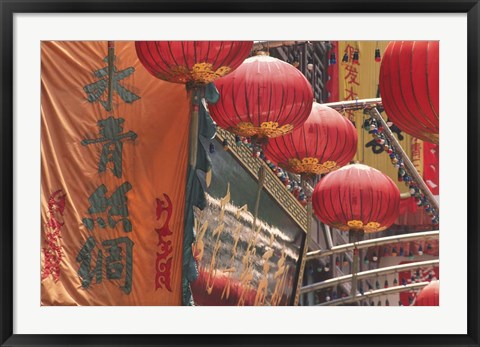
pixel 240 264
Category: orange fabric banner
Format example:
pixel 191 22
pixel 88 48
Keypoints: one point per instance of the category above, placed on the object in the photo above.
pixel 113 178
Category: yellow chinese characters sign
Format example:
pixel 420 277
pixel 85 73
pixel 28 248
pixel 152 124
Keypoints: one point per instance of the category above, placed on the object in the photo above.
pixel 358 79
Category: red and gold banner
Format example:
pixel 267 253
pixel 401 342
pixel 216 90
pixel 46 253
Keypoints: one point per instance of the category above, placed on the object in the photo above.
pixel 358 79
pixel 417 155
pixel 114 149
pixel 425 158
pixel 431 155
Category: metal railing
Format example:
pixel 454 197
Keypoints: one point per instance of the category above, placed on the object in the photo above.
pixel 374 293
pixel 372 243
pixel 367 274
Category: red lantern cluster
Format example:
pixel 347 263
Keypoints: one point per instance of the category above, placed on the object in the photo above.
pixel 409 86
pixel 429 295
pixel 356 197
pixel 265 97
pixel 197 62
pixel 325 142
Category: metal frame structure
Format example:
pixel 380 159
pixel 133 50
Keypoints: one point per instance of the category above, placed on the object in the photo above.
pixel 370 106
pixel 368 274
pixel 374 242
pixel 374 293
pixel 312 59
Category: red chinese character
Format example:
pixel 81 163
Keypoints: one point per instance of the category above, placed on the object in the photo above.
pixel 349 50
pixel 350 94
pixel 351 74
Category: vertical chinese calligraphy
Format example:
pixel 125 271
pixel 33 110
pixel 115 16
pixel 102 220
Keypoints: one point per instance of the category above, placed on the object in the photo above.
pixel 113 257
pixel 351 77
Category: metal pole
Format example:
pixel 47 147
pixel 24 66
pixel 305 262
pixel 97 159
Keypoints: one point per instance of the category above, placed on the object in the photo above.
pixel 194 121
pixel 262 45
pixel 304 180
pixel 328 234
pixel 354 104
pixel 410 168
pixel 355 236
pixel 261 183
pixel 368 274
pixel 371 243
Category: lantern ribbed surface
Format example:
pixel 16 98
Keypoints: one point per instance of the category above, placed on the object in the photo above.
pixel 264 97
pixel 356 197
pixel 409 86
pixel 325 142
pixel 429 295
pixel 197 62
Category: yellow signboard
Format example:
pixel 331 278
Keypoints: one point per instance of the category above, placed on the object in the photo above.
pixel 358 79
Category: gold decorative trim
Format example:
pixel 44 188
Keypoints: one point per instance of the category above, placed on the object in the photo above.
pixel 432 137
pixel 202 73
pixel 266 129
pixel 309 165
pixel 273 185
pixel 370 227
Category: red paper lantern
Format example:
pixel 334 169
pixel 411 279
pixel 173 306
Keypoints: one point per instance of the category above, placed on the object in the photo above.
pixel 197 62
pixel 429 295
pixel 409 86
pixel 356 197
pixel 264 97
pixel 325 142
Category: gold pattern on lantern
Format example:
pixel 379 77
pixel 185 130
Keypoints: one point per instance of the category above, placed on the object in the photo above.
pixel 434 138
pixel 201 73
pixel 355 224
pixel 370 227
pixel 266 129
pixel 309 165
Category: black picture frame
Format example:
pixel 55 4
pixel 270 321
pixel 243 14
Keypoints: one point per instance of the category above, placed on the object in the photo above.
pixel 10 7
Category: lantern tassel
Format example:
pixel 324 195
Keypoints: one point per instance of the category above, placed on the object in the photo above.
pixel 333 59
pixel 355 57
pixel 378 57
